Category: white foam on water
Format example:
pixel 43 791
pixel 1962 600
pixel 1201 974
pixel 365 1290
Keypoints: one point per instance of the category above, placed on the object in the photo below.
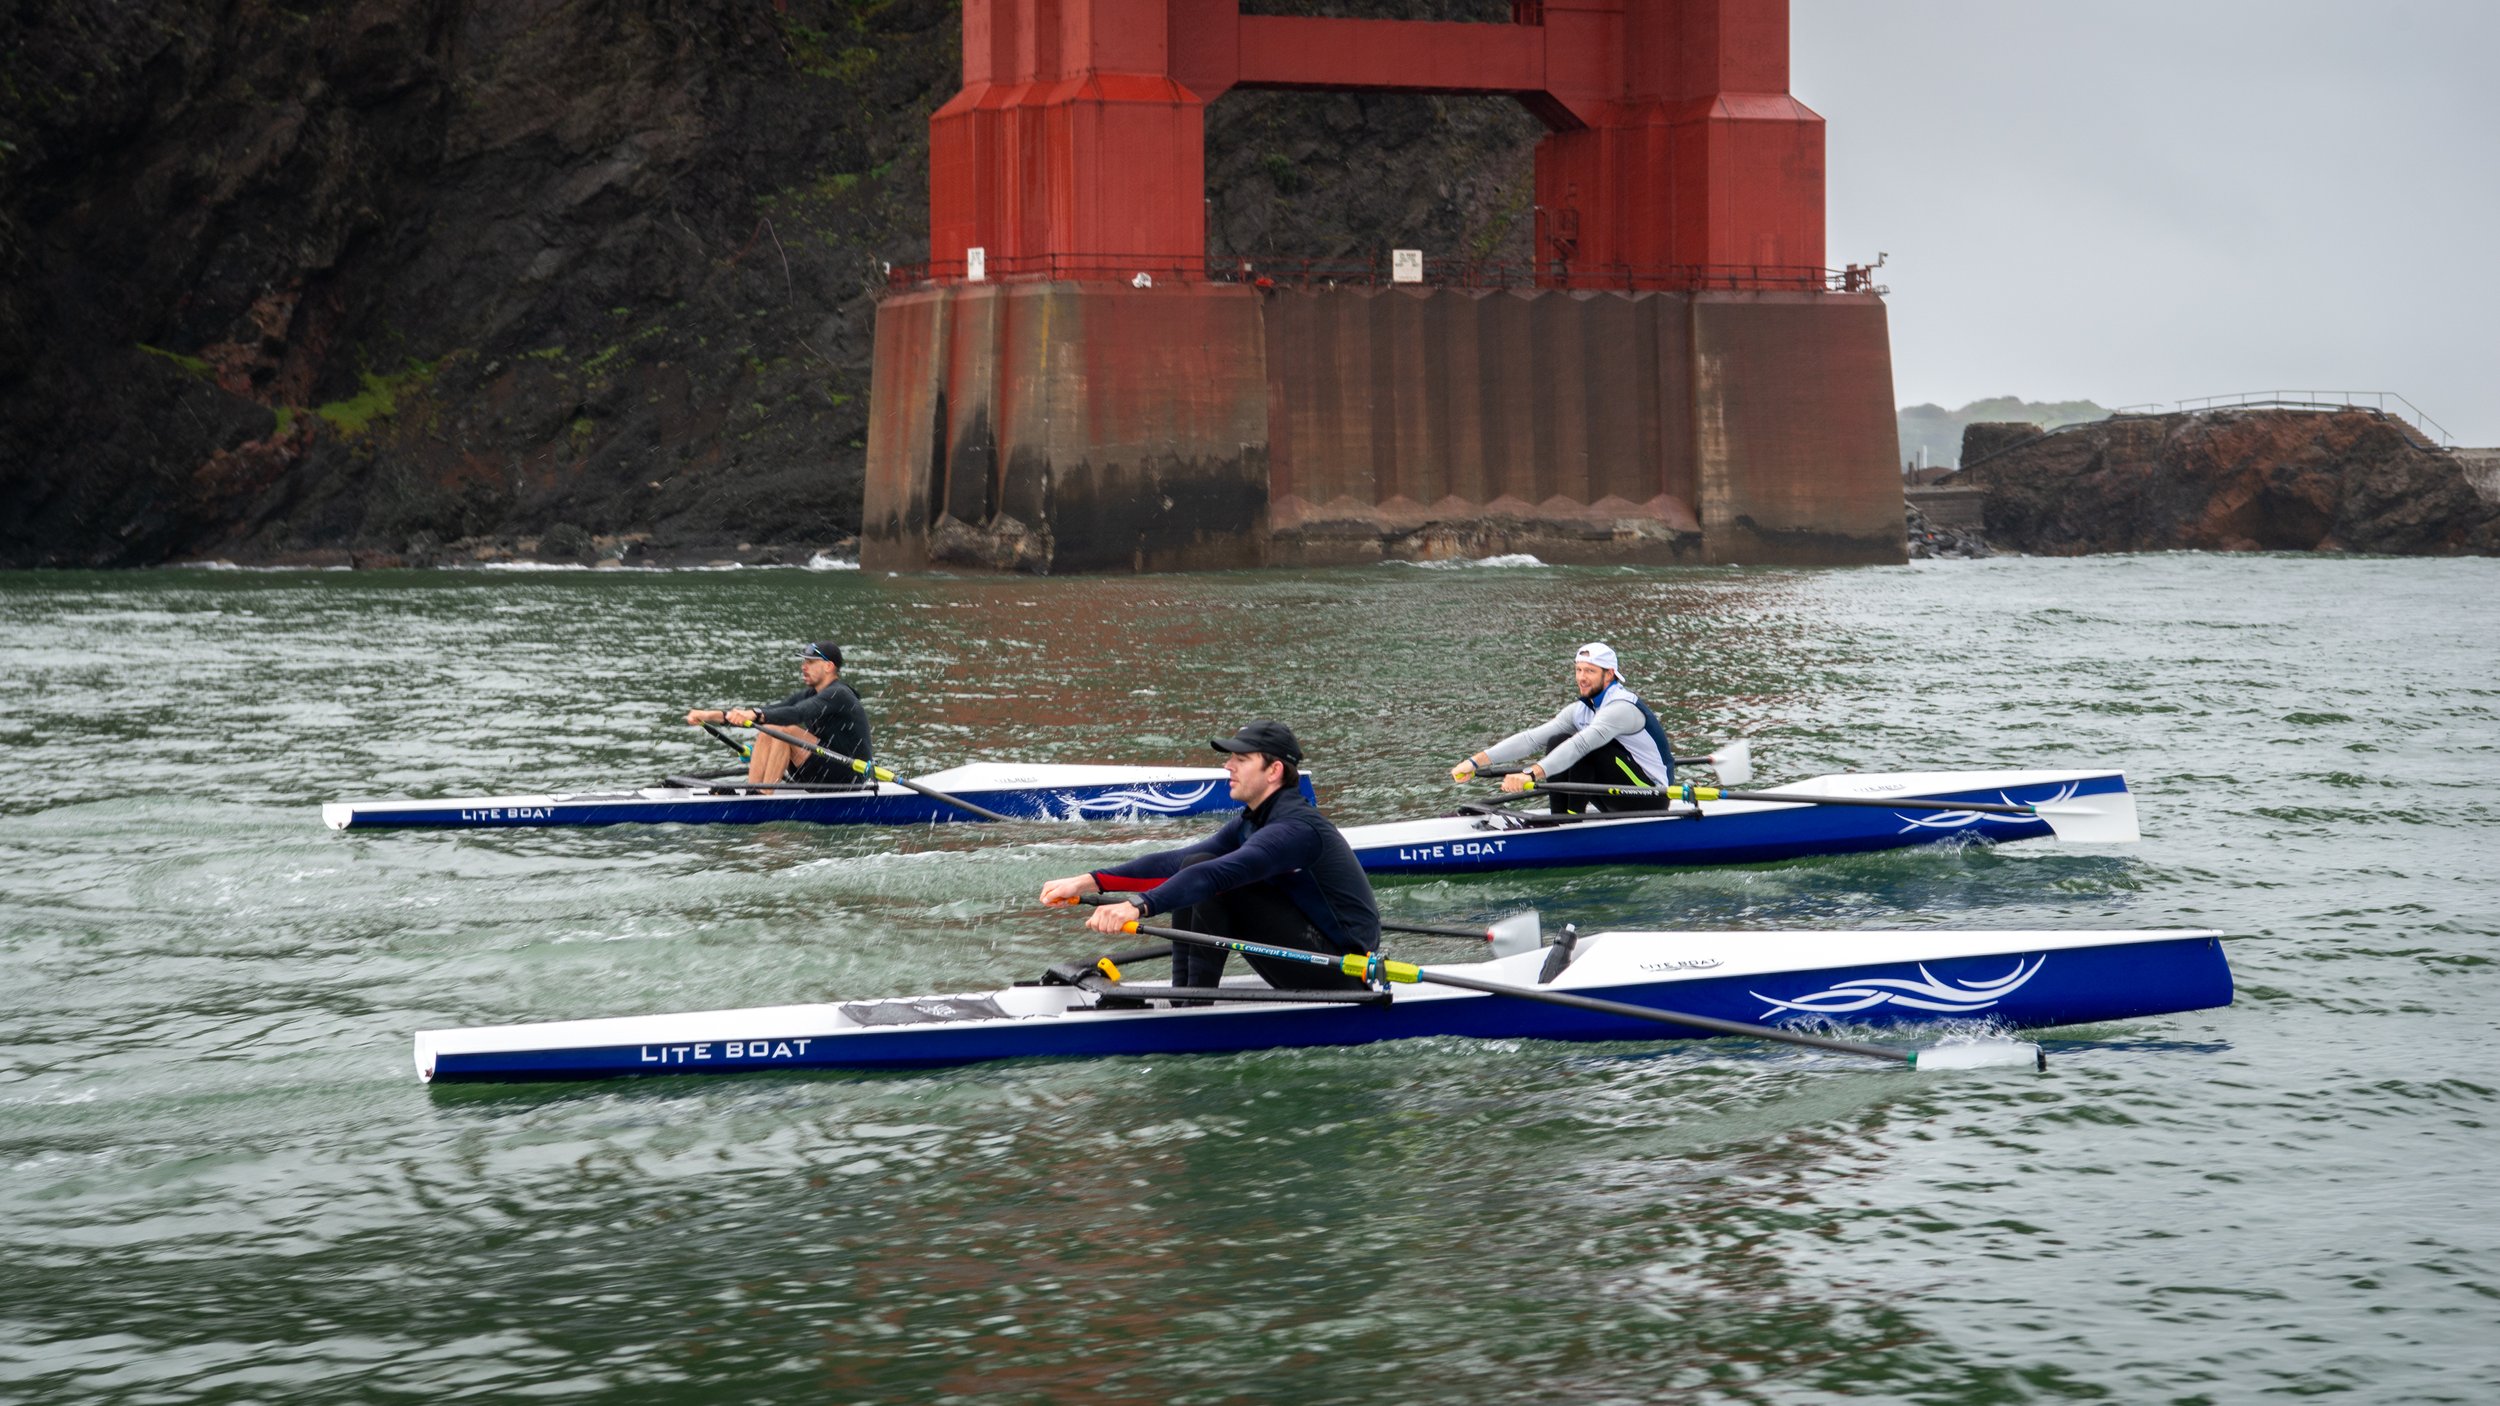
pixel 823 562
pixel 1509 559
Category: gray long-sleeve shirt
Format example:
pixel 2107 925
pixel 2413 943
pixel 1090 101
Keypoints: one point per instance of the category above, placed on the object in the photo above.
pixel 1579 730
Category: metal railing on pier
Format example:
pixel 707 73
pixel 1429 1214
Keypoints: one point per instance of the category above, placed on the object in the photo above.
pixel 1145 271
pixel 2401 408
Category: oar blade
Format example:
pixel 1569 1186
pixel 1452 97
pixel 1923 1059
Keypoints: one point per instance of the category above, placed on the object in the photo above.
pixel 2104 819
pixel 1520 932
pixel 1979 1054
pixel 1733 763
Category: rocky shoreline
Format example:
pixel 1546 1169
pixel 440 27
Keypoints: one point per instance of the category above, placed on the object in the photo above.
pixel 2346 480
pixel 1933 540
pixel 562 546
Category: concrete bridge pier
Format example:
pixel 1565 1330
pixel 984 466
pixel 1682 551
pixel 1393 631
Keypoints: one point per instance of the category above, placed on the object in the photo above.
pixel 1079 426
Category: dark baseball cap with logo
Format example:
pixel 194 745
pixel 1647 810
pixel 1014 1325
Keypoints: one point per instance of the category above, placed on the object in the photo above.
pixel 826 650
pixel 1268 738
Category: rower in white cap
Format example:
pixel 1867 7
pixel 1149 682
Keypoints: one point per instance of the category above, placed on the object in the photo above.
pixel 1606 736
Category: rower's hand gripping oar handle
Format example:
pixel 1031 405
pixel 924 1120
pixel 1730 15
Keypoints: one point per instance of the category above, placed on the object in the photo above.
pixel 870 769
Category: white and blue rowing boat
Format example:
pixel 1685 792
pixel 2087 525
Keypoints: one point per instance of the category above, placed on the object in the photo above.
pixel 1863 811
pixel 1020 791
pixel 1870 979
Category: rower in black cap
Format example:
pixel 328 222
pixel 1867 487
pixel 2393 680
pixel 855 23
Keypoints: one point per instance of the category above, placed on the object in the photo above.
pixel 824 710
pixel 1277 873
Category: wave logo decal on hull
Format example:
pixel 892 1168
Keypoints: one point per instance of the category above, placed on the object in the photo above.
pixel 1925 994
pixel 1156 799
pixel 1961 819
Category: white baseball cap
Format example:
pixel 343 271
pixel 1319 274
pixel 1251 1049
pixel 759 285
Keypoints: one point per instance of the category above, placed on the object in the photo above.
pixel 1601 655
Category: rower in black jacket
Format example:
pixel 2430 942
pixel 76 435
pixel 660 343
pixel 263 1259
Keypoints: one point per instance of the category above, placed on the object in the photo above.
pixel 1277 873
pixel 824 711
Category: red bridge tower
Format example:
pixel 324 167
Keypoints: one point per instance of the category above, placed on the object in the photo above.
pixel 1068 384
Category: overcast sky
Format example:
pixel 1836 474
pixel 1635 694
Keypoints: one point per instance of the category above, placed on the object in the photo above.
pixel 2127 201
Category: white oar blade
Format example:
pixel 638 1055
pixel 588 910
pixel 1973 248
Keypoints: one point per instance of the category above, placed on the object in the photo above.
pixel 1733 763
pixel 1979 1054
pixel 1520 932
pixel 2105 819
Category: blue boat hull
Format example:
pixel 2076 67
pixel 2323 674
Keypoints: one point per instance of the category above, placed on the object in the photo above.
pixel 1730 834
pixel 889 805
pixel 2014 987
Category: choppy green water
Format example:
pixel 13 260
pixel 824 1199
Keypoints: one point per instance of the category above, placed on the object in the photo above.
pixel 219 1179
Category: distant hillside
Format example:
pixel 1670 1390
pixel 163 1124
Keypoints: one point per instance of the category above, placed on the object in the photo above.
pixel 1941 430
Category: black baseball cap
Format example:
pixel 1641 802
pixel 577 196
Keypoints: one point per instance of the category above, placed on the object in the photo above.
pixel 826 650
pixel 1271 739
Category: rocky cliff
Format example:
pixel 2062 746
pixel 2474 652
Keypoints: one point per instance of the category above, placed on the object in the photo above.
pixel 2244 480
pixel 422 279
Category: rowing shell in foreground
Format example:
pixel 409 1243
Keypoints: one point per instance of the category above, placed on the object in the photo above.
pixel 1755 832
pixel 2016 979
pixel 1020 791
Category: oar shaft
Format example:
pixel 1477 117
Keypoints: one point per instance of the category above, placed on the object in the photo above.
pixel 1371 966
pixel 1102 900
pixel 880 773
pixel 1352 964
pixel 1712 1024
pixel 1435 929
pixel 1698 794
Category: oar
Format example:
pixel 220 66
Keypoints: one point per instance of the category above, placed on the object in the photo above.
pixel 1733 761
pixel 732 743
pixel 1520 932
pixel 870 769
pixel 2105 819
pixel 1371 966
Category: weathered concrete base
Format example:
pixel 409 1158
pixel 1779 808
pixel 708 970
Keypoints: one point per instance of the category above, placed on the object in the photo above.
pixel 1046 427
pixel 1088 427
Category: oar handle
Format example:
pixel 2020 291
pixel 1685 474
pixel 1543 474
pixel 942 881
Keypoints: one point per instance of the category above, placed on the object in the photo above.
pixel 880 773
